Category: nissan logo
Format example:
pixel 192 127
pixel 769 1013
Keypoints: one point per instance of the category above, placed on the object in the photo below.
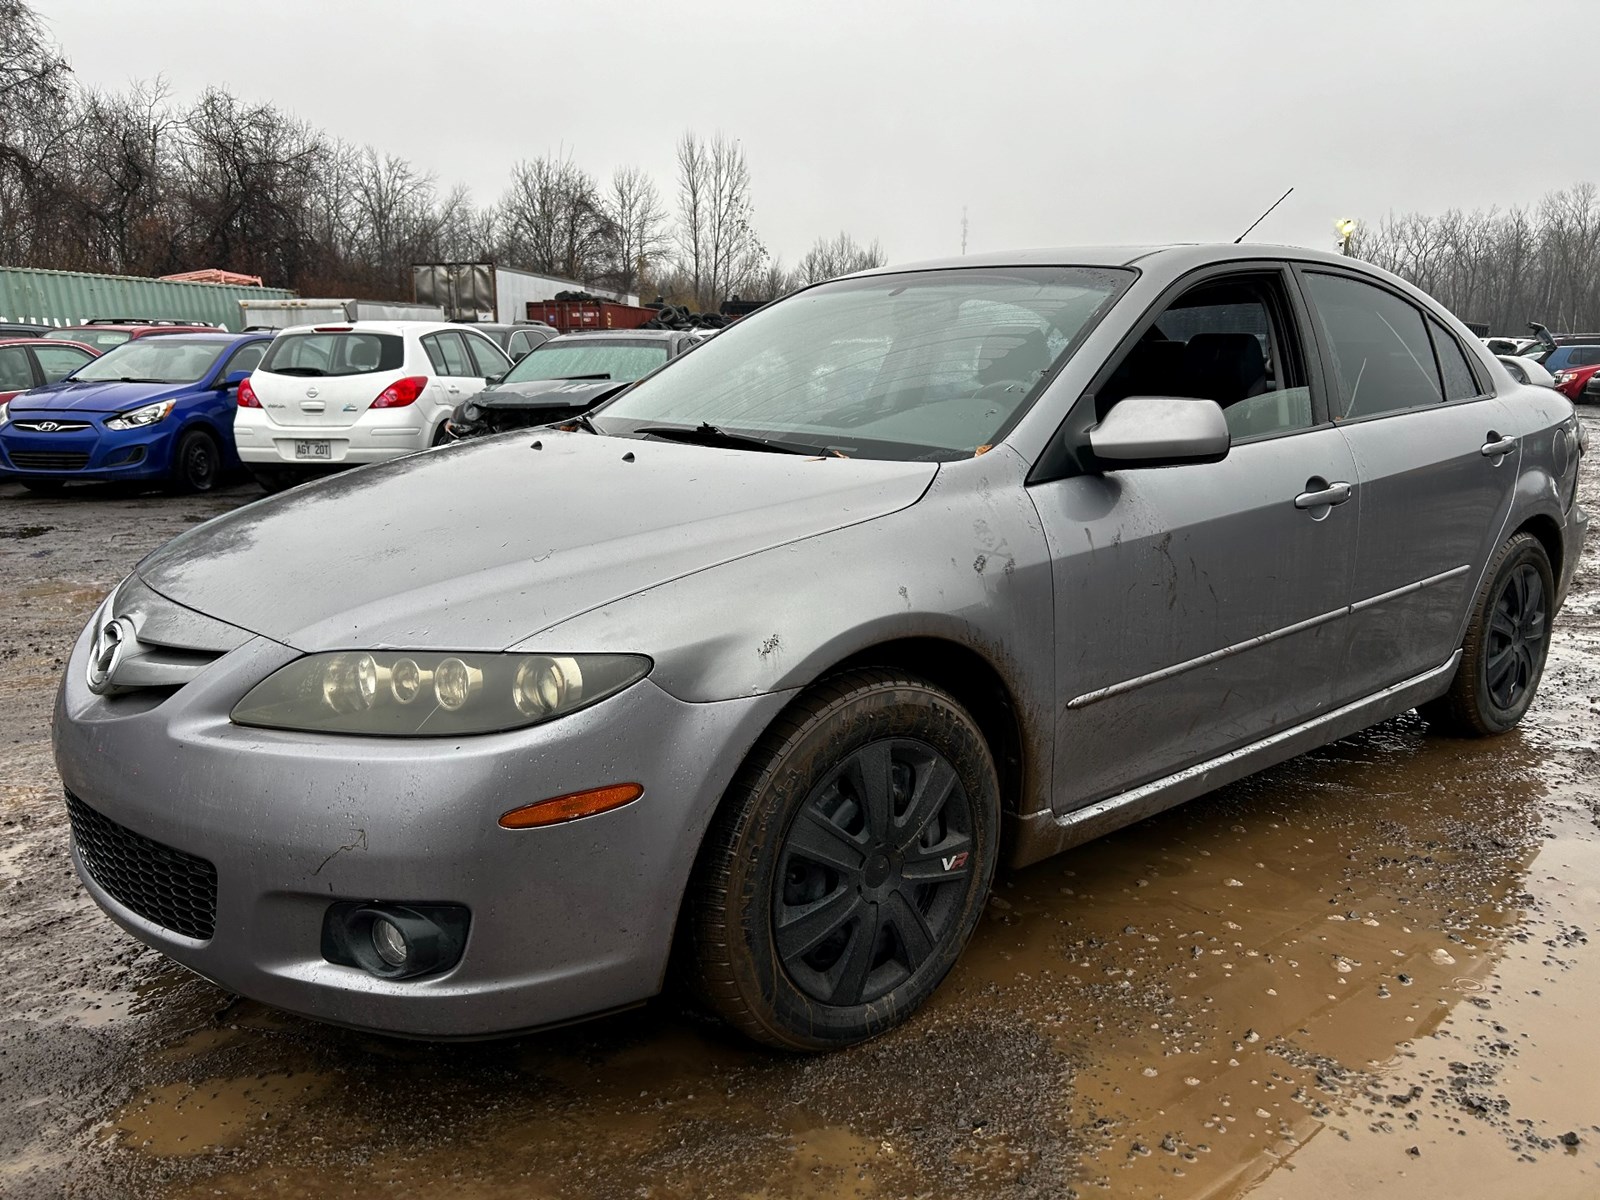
pixel 311 393
pixel 109 641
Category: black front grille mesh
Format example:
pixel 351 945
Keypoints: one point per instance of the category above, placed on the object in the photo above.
pixel 43 460
pixel 174 890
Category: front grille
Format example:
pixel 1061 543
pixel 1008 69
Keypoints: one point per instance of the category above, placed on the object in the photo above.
pixel 44 460
pixel 52 426
pixel 174 890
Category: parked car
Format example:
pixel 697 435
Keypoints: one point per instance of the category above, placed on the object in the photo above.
pixel 155 410
pixel 1569 350
pixel 1526 370
pixel 516 340
pixel 774 674
pixel 22 329
pixel 1574 382
pixel 27 363
pixel 107 332
pixel 567 376
pixel 330 396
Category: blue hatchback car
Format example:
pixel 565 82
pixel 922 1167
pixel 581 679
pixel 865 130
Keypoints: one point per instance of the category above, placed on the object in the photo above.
pixel 158 409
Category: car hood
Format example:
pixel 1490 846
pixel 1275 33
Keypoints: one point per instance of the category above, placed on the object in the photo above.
pixel 546 393
pixel 69 396
pixel 479 545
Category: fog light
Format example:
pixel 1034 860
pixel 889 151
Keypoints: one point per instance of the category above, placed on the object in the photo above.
pixel 395 941
pixel 389 942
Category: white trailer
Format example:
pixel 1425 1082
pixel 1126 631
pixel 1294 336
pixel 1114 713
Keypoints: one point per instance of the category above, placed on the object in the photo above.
pixel 486 292
pixel 281 314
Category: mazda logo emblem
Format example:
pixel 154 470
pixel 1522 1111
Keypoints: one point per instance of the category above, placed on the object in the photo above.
pixel 109 642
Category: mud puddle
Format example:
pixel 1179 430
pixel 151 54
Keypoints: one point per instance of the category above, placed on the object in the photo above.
pixel 1369 970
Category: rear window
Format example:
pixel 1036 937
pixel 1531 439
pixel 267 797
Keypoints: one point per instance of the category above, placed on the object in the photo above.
pixel 100 339
pixel 334 354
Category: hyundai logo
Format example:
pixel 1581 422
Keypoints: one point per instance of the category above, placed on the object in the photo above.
pixel 47 426
pixel 110 640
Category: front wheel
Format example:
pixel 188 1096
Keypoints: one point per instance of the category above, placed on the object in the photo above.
pixel 196 463
pixel 1502 658
pixel 848 866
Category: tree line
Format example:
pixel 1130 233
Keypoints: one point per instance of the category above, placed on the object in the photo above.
pixel 137 183
pixel 1505 267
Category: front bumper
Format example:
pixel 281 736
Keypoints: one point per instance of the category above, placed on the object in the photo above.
pixel 567 921
pixel 93 454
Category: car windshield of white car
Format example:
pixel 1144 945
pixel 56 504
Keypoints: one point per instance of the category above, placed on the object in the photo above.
pixel 928 365
pixel 617 360
pixel 162 359
pixel 334 353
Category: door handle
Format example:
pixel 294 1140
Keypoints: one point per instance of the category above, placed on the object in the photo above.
pixel 312 406
pixel 454 391
pixel 1497 446
pixel 1334 493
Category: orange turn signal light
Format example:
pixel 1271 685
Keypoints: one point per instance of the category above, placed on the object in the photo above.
pixel 559 809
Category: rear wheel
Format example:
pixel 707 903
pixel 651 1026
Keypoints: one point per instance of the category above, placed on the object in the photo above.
pixel 848 865
pixel 1503 656
pixel 197 462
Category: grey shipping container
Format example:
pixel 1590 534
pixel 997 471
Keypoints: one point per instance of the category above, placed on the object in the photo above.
pixel 486 292
pixel 73 297
pixel 281 314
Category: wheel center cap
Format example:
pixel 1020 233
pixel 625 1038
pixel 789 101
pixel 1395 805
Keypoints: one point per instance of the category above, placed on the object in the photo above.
pixel 876 871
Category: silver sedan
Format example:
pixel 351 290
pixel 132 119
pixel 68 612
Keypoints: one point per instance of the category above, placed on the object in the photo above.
pixel 767 665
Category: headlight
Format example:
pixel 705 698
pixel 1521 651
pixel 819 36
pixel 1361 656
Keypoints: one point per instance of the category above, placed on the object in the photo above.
pixel 415 694
pixel 148 415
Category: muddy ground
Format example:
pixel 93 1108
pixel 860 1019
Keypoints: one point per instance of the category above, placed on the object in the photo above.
pixel 1369 972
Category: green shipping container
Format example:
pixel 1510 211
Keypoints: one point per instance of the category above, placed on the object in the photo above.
pixel 72 297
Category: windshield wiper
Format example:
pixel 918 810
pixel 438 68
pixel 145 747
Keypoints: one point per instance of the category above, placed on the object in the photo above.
pixel 707 434
pixel 596 375
pixel 131 379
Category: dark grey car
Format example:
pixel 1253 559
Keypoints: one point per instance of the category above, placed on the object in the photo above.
pixel 778 655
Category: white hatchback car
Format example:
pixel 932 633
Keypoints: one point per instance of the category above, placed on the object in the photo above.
pixel 332 395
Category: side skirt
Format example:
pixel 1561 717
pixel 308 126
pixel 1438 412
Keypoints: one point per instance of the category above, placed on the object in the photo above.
pixel 1039 835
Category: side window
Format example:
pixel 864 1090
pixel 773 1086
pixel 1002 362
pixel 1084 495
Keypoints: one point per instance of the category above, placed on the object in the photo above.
pixel 1459 381
pixel 57 362
pixel 485 356
pixel 245 358
pixel 435 354
pixel 16 372
pixel 1584 356
pixel 1230 341
pixel 453 354
pixel 1381 354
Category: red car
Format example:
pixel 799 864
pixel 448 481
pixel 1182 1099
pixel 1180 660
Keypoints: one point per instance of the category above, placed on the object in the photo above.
pixel 29 362
pixel 1579 383
pixel 103 333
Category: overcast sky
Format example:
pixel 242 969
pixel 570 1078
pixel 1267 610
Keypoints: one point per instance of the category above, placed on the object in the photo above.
pixel 1053 123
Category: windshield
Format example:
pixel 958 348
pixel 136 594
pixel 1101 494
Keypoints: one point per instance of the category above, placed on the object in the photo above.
pixel 924 365
pixel 621 360
pixel 100 339
pixel 163 359
pixel 334 354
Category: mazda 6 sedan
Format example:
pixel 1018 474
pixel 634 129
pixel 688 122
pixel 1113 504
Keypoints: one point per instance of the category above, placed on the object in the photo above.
pixel 765 666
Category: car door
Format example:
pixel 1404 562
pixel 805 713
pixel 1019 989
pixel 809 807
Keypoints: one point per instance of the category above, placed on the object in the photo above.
pixel 455 376
pixel 1435 471
pixel 1200 607
pixel 488 360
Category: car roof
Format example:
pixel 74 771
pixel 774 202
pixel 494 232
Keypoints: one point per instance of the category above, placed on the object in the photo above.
pixel 212 335
pixel 396 327
pixel 47 343
pixel 1182 254
pixel 1577 339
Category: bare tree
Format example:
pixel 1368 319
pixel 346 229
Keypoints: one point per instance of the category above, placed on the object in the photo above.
pixel 35 91
pixel 638 228
pixel 553 219
pixel 718 247
pixel 830 258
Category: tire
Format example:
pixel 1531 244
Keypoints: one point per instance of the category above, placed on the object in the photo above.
pixel 811 924
pixel 1508 639
pixel 441 435
pixel 196 463
pixel 275 479
pixel 44 487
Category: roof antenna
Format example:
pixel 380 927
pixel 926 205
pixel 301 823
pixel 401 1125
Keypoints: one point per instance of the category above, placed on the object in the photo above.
pixel 1262 217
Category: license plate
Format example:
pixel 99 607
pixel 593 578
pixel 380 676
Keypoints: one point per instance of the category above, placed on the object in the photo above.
pixel 313 450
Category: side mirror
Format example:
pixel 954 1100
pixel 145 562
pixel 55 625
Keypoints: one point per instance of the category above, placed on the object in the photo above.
pixel 1160 431
pixel 491 380
pixel 232 380
pixel 519 356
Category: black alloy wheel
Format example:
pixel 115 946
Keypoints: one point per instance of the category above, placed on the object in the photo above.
pixel 872 872
pixel 1518 630
pixel 847 866
pixel 198 462
pixel 1508 639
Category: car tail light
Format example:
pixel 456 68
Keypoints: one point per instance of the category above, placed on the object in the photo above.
pixel 247 395
pixel 401 392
